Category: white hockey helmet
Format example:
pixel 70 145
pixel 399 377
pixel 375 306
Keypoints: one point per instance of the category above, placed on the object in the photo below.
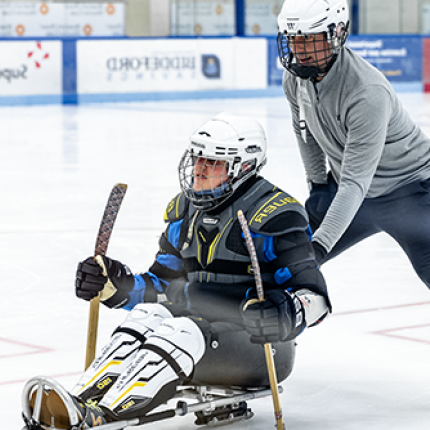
pixel 238 141
pixel 310 17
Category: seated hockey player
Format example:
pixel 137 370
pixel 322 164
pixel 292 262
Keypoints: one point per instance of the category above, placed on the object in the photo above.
pixel 203 334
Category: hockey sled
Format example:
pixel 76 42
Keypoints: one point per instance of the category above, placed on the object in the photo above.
pixel 212 406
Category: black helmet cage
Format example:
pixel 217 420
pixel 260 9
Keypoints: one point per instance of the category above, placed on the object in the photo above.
pixel 335 36
pixel 238 172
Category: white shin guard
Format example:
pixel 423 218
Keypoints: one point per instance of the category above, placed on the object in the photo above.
pixel 164 360
pixel 125 342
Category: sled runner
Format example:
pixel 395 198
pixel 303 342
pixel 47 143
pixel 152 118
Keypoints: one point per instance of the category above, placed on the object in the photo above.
pixel 212 406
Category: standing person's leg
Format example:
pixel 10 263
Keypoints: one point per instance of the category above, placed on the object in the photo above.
pixel 361 227
pixel 407 220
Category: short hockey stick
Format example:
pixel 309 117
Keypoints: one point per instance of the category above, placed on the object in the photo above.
pixel 109 216
pixel 267 346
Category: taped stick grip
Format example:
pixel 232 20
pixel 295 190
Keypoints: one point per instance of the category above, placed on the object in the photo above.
pixel 109 290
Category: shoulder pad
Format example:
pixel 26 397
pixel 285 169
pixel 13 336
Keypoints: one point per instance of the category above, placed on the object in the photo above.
pixel 176 208
pixel 277 213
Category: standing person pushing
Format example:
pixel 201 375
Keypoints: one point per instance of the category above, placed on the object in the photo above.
pixel 347 116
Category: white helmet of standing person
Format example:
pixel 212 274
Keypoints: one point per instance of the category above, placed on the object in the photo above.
pixel 311 35
pixel 222 154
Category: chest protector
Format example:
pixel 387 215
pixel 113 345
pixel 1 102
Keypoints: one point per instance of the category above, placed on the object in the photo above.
pixel 212 245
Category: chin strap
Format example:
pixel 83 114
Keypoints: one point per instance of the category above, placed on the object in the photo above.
pixel 302 120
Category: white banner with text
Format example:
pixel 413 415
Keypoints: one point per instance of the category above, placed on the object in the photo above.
pixel 166 65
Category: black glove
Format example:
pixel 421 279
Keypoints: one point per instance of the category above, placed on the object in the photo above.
pixel 90 281
pixel 280 317
pixel 319 251
pixel 319 200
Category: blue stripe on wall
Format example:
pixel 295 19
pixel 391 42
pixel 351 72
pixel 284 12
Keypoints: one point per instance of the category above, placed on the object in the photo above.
pixel 180 95
pixel 70 95
pixel 31 100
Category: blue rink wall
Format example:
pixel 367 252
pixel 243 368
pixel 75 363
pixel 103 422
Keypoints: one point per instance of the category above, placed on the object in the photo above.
pixel 71 71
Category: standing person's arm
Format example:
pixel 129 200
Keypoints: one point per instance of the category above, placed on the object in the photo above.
pixel 366 120
pixel 313 157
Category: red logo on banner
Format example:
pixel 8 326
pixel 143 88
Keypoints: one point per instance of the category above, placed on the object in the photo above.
pixel 88 30
pixel 256 29
pixel 44 9
pixel 38 55
pixel 110 9
pixel 219 10
pixel 20 30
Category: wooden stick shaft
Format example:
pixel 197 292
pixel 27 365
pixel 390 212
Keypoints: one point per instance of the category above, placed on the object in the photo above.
pixel 274 383
pixel 108 220
pixel 267 347
pixel 93 324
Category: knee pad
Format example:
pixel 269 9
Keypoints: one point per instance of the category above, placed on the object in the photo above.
pixel 162 363
pixel 125 341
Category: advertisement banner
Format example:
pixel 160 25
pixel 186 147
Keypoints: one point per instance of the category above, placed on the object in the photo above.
pixel 30 68
pixel 399 58
pixel 38 19
pixel 191 18
pixel 135 66
pixel 261 17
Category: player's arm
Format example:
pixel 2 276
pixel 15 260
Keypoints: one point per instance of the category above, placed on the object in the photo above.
pixel 297 297
pixel 130 289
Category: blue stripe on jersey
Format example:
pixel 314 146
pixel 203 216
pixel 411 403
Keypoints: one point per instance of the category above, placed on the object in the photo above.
pixel 136 294
pixel 269 254
pixel 269 249
pixel 157 282
pixel 309 232
pixel 173 232
pixel 282 275
pixel 170 261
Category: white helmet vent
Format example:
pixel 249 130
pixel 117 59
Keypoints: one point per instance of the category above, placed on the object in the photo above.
pixel 226 151
pixel 317 24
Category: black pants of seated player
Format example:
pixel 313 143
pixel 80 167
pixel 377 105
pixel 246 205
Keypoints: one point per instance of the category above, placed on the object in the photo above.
pixel 230 358
pixel 238 362
pixel 403 214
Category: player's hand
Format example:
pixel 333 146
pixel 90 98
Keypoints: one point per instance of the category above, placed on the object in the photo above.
pixel 90 281
pixel 319 251
pixel 280 317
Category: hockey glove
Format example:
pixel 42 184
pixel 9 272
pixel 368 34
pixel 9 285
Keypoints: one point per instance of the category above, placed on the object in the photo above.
pixel 90 281
pixel 320 252
pixel 280 317
pixel 319 200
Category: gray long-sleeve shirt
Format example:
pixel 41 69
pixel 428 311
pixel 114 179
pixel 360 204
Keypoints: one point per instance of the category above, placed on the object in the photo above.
pixel 357 126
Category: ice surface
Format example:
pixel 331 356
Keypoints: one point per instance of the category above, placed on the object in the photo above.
pixel 366 367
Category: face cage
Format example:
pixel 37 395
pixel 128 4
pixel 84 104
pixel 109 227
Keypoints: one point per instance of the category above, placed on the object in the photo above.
pixel 208 198
pixel 312 70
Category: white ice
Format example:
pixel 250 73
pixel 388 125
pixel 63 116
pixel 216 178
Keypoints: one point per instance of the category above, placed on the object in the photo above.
pixel 367 367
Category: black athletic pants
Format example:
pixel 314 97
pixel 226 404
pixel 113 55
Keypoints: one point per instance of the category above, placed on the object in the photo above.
pixel 403 214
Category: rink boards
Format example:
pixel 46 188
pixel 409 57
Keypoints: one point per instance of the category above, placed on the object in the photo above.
pixel 76 70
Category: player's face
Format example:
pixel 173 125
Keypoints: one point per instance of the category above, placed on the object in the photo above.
pixel 209 174
pixel 311 49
